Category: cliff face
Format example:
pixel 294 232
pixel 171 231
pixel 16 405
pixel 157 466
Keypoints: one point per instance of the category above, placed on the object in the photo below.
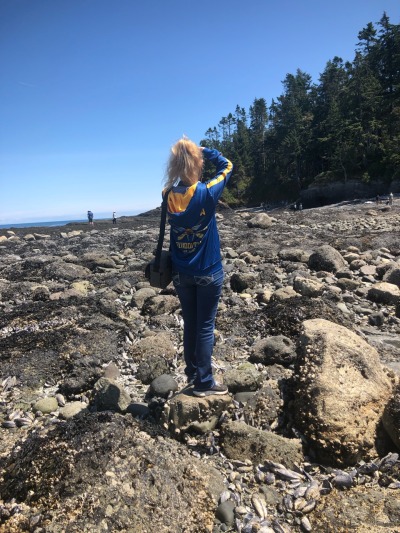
pixel 331 193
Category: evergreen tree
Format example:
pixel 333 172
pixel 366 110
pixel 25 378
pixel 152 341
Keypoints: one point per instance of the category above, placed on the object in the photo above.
pixel 258 123
pixel 292 119
pixel 345 127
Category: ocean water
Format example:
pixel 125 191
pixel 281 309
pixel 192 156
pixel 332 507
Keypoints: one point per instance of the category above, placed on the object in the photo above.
pixel 41 224
pixel 52 223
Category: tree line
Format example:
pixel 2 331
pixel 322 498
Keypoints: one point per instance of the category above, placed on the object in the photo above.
pixel 346 126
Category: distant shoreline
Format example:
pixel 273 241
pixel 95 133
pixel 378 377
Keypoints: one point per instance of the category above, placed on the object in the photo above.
pixel 49 224
pixel 59 226
pixel 61 223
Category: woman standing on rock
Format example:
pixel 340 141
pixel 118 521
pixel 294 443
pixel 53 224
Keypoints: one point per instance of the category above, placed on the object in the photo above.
pixel 196 256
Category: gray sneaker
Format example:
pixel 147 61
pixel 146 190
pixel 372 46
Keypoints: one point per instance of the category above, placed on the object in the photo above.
pixel 215 389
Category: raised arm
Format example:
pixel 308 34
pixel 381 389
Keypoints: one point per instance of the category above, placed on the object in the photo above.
pixel 223 172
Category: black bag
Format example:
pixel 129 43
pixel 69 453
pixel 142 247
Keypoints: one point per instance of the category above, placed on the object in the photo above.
pixel 159 270
pixel 160 275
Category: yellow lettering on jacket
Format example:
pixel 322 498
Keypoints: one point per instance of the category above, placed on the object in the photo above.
pixel 187 245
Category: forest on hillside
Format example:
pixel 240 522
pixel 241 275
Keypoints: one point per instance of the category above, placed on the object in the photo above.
pixel 345 127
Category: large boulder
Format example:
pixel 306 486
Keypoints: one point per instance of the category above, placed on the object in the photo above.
pixel 326 258
pixel 340 394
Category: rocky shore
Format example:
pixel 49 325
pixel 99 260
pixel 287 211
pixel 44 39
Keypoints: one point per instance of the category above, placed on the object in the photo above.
pixel 99 432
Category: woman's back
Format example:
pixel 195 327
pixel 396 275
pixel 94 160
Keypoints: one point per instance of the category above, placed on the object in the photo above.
pixel 195 245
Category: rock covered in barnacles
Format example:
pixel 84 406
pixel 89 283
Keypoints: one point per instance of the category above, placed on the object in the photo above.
pixel 356 511
pixel 391 417
pixel 62 270
pixel 151 368
pixel 263 408
pixel 341 392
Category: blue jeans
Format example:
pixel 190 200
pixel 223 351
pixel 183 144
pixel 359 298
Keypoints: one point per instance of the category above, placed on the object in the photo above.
pixel 199 296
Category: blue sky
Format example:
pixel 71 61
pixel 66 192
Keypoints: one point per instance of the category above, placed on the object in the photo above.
pixel 94 92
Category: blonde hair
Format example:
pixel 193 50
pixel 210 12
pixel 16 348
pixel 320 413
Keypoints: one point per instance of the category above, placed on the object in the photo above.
pixel 185 162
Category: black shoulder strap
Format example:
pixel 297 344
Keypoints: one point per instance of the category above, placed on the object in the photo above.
pixel 162 231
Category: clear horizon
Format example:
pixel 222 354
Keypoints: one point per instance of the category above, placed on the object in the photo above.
pixel 93 93
pixel 102 215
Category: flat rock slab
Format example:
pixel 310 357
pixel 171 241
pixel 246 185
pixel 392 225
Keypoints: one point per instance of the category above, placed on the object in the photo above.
pixel 241 441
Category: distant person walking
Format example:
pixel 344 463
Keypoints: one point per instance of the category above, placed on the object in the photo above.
pixel 196 256
pixel 114 217
pixel 90 218
pixel 391 198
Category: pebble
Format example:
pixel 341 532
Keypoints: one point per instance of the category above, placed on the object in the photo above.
pixel 46 405
pixel 225 512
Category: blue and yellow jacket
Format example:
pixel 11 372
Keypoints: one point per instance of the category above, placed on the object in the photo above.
pixel 194 244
